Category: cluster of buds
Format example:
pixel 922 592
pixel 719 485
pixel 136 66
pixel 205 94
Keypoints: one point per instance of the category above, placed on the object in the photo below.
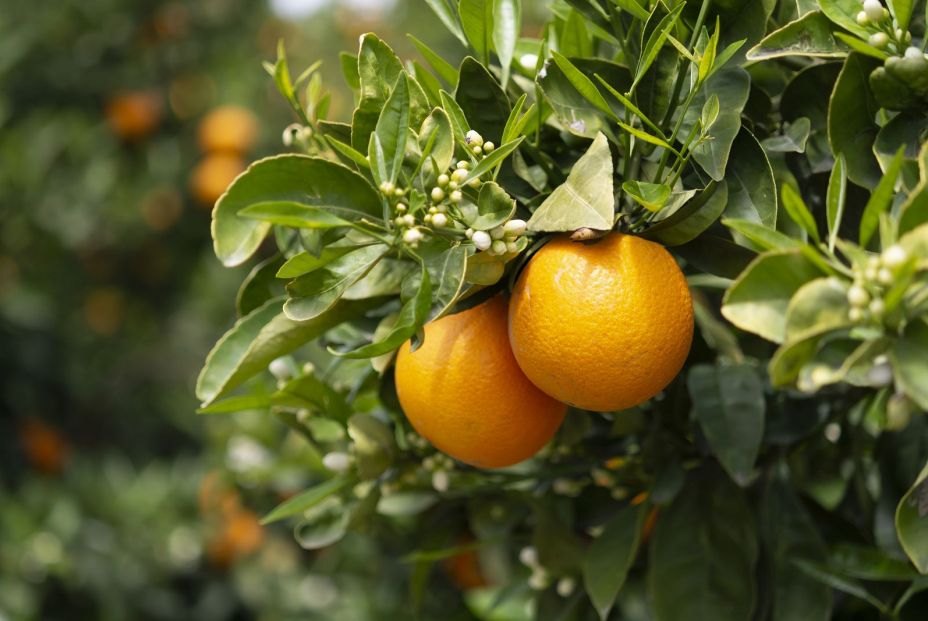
pixel 499 240
pixel 870 284
pixel 541 579
pixel 476 144
pixel 874 16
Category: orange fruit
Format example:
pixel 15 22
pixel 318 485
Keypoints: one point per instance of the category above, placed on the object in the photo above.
pixel 134 115
pixel 45 447
pixel 464 571
pixel 213 175
pixel 601 326
pixel 228 128
pixel 464 392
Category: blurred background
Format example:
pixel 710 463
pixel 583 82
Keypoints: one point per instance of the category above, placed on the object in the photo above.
pixel 120 123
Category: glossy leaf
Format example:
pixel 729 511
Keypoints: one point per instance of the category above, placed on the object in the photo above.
pixel 852 125
pixel 651 196
pixel 307 499
pixel 694 217
pixel 912 522
pixel 482 100
pixel 836 199
pixel 792 140
pixel 393 128
pixel 799 212
pixel 910 362
pixel 611 555
pixel 494 207
pixel 292 214
pixel 477 23
pixel 812 35
pixel 507 22
pixel 731 86
pixel 442 67
pixel 373 445
pixel 752 191
pixel 448 17
pixel 881 199
pixel 844 14
pixel 316 292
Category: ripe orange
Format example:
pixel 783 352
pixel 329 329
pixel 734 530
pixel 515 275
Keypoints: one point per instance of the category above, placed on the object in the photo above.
pixel 602 326
pixel 45 447
pixel 134 115
pixel 213 175
pixel 464 392
pixel 228 128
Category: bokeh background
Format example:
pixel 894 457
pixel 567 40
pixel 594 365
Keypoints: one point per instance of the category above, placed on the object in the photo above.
pixel 117 501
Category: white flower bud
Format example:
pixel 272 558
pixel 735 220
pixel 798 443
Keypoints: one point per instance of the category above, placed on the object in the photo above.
pixel 880 374
pixel 442 209
pixel 440 481
pixel 473 139
pixel 488 147
pixel 873 9
pixel 857 296
pixel 498 247
pixel 856 315
pixel 459 175
pixel 400 221
pixel 400 207
pixel 512 247
pixel 528 61
pixel 428 218
pixel 515 228
pixel 862 19
pixel 469 233
pixel 820 375
pixel 539 581
pixel 337 461
pixel 475 182
pixel 399 192
pixel 463 164
pixel 877 307
pixel 453 185
pixel 477 150
pixel 409 220
pixel 456 197
pixel 528 556
pixel 387 188
pixel 894 256
pixel 443 179
pixel 433 210
pixel 879 40
pixel 482 240
pixel 279 369
pixel 913 52
pixel 412 236
pixel 884 276
pixel 870 273
pixel 439 220
pixel 438 194
pixel 565 586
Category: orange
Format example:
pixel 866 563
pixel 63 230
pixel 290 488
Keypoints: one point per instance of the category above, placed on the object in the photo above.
pixel 213 175
pixel 464 571
pixel 602 326
pixel 228 128
pixel 464 392
pixel 134 115
pixel 45 447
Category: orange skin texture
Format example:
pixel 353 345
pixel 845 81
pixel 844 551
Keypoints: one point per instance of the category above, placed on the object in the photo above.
pixel 464 392
pixel 213 175
pixel 602 326
pixel 230 129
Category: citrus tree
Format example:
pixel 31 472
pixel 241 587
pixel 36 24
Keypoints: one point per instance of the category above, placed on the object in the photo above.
pixel 625 319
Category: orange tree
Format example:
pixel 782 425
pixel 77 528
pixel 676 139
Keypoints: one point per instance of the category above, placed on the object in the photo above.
pixel 633 167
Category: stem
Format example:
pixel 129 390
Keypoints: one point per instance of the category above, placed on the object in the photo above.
pixel 703 10
pixel 676 130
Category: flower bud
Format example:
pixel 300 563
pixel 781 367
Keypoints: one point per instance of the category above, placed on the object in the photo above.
pixel 894 256
pixel 473 139
pixel 463 164
pixel 412 236
pixel 401 207
pixel 874 10
pixel 443 179
pixel 498 247
pixel 409 220
pixel 387 188
pixel 565 586
pixel 857 296
pixel 438 194
pixel 498 232
pixel 400 221
pixel 913 52
pixel 880 374
pixel 862 19
pixel 512 247
pixel 439 220
pixel 528 556
pixel 488 147
pixel 399 192
pixel 456 196
pixel 898 412
pixel 433 210
pixel 539 580
pixel 879 40
pixel 515 228
pixel 469 233
pixel 884 276
pixel 337 461
pixel 279 369
pixel 477 150
pixel 459 175
pixel 877 307
pixel 482 240
pixel 428 218
pixel 440 481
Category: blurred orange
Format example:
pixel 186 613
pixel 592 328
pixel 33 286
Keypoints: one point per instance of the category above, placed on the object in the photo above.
pixel 213 175
pixel 237 531
pixel 134 115
pixel 464 569
pixel 104 310
pixel 45 447
pixel 228 128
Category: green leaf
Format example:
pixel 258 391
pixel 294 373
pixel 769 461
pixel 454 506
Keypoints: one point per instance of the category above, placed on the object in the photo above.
pixel 835 200
pixel 494 207
pixel 852 127
pixel 258 286
pixel 902 11
pixel 477 22
pixel 307 499
pixel 411 317
pixel 585 199
pixel 844 13
pixel 859 46
pixel 237 404
pixel 458 121
pixel 823 574
pixel 373 445
pixel 708 56
pixel 732 87
pixel 309 392
pixel 494 159
pixel 446 271
pixel 305 262
pixel 484 269
pixel 752 193
pixel 315 293
pixel 651 196
pixel 507 22
pixel 378 70
pixel 703 555
pixel 436 129
pixel 645 136
pixel 634 7
pixel 812 35
pixel 817 307
pixel 762 236
pixel 296 215
pixel 694 217
pixel 881 199
pixel 260 337
pixel 349 152
pixel 799 212
pixel 307 180
pixel 728 404
pixel 393 128
pixel 323 530
pixel 866 563
pixel 559 549
pixel 349 67
pixel 572 109
pixel 912 522
pixel 441 66
pixel 583 85
pixel 483 102
pixel 910 363
pixel 625 101
pixel 611 555
pixel 792 140
pixel 758 299
pixel 448 17
pixel 655 43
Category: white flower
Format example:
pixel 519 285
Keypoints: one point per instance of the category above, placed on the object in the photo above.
pixel 400 207
pixel 439 220
pixel 409 219
pixel 913 52
pixel 337 461
pixel 528 61
pixel 515 227
pixel 279 368
pixel 440 481
pixel 873 9
pixel 862 19
pixel 482 240
pixel 894 256
pixel 412 236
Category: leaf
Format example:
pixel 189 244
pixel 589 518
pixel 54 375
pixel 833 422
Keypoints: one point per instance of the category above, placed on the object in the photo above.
pixel 483 102
pixel 572 109
pixel 732 87
pixel 309 392
pixel 349 66
pixel 762 236
pixel 446 272
pixel 411 317
pixel 752 191
pixel 812 35
pixel 792 140
pixel 307 499
pixel 912 522
pixel 610 556
pixel 651 196
pixel 436 129
pixel 292 214
pixel 507 22
pixel 494 159
pixel 835 200
pixel 559 549
pixel 494 207
pixel 655 42
pixel 484 269
pixel 441 66
pixel 728 404
pixel 693 218
pixel 455 115
pixel 349 152
pixel 881 199
pixel 258 286
pixel 758 299
pixel 852 127
pixel 910 363
pixel 477 21
pixel 260 337
pixel 322 531
pixel 583 85
pixel 799 212
pixel 305 262
pixel 449 18
pixel 625 101
pixel 378 70
pixel 817 307
pixel 237 404
pixel 703 555
pixel 316 292
pixel 373 445
pixel 392 130
pixel 585 199
pixel 902 11
pixel 823 574
pixel 306 180
pixel 844 13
